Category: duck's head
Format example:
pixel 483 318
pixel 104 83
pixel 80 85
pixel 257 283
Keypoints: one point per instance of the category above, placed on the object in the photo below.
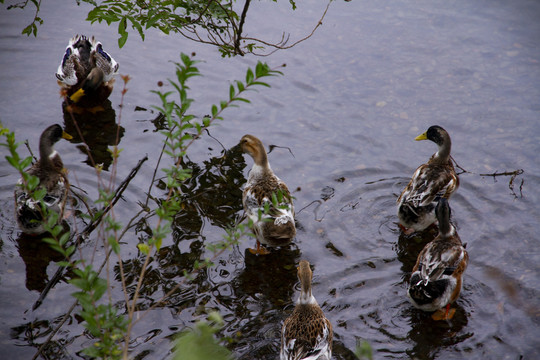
pixel 252 146
pixel 440 137
pixel 49 137
pixel 305 275
pixel 53 134
pixel 443 212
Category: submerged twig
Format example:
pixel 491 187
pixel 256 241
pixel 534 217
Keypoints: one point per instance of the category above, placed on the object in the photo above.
pixel 315 212
pixel 272 147
pixel 505 173
pixel 55 331
pixel 513 174
pixel 89 228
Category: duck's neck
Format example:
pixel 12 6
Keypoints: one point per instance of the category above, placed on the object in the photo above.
pixel 261 165
pixel 306 298
pixel 443 154
pixel 49 159
pixel 446 230
pixel 261 158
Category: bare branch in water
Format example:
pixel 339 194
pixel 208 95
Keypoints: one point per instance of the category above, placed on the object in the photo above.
pixel 272 147
pixel 513 174
pixel 315 212
pixel 505 173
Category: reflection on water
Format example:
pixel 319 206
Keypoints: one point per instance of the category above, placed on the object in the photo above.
pixel 37 255
pixel 97 130
pixel 266 283
pixel 429 337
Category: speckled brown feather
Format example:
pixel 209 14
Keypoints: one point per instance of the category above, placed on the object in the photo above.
pixel 305 325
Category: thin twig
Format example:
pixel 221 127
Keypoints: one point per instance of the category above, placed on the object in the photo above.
pixel 30 150
pixel 505 173
pixel 278 47
pixel 272 147
pixel 513 174
pixel 55 331
pixel 66 316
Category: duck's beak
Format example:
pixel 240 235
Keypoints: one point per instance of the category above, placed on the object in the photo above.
pixel 77 95
pixel 421 137
pixel 66 136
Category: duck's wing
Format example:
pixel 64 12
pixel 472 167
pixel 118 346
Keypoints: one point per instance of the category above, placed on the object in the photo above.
pixel 310 340
pixel 271 197
pixel 103 60
pixel 428 183
pixel 67 70
pixel 439 259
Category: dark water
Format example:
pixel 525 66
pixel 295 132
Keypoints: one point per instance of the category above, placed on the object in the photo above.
pixel 352 100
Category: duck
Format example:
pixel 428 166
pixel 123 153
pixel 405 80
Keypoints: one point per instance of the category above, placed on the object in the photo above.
pixel 307 333
pixel 435 179
pixel 266 200
pixel 86 72
pixel 437 276
pixel 49 169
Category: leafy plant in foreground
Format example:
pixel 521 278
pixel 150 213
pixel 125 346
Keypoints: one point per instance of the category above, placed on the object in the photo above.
pixel 102 318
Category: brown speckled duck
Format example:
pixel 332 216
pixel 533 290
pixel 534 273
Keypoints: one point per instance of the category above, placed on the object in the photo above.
pixel 431 181
pixel 266 199
pixel 86 72
pixel 51 173
pixel 307 333
pixel 437 276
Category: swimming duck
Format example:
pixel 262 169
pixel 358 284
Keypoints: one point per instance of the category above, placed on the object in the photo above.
pixel 437 276
pixel 431 181
pixel 307 333
pixel 51 173
pixel 86 71
pixel 266 199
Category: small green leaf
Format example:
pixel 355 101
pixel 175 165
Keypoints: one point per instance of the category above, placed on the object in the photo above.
pixel 249 76
pixel 144 248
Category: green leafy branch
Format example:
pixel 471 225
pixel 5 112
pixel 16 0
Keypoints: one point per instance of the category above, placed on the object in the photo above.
pixel 212 22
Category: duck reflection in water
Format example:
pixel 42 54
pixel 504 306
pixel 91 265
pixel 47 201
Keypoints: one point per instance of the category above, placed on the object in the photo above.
pixel 428 337
pixel 99 131
pixel 36 255
pixel 409 246
pixel 261 290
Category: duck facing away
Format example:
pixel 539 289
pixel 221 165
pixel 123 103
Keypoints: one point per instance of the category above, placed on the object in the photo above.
pixel 50 171
pixel 431 181
pixel 86 71
pixel 307 333
pixel 266 199
pixel 437 276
